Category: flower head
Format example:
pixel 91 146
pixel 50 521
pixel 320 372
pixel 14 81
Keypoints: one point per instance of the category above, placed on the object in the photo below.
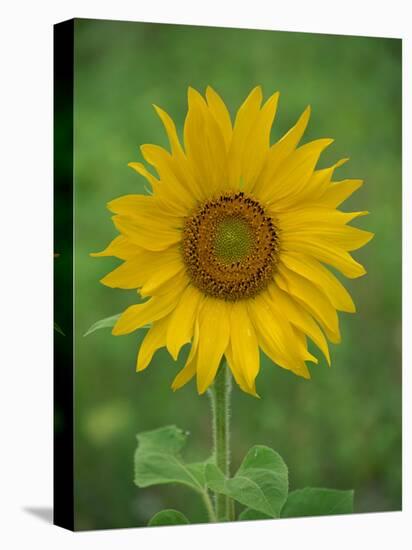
pixel 230 248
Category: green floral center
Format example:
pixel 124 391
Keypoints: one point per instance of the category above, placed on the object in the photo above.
pixel 234 240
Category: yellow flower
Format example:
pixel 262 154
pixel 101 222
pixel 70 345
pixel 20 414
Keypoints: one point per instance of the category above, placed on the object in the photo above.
pixel 230 246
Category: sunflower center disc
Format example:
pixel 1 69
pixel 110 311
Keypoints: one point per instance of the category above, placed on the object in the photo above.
pixel 230 247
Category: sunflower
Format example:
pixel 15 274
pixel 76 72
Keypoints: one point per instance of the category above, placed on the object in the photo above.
pixel 230 246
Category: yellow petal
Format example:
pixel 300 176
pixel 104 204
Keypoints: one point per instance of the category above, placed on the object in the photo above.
pixel 339 191
pixel 143 171
pixel 148 232
pixel 312 298
pixel 318 183
pixel 214 332
pixel 181 165
pixel 185 375
pixel 314 216
pixel 219 110
pixel 300 369
pixel 154 339
pixel 281 150
pixel 300 318
pixel 189 370
pixel 154 215
pixel 128 275
pixel 283 186
pixel 245 119
pixel 302 348
pixel 142 206
pixel 182 321
pixel 257 143
pixel 138 315
pixel 204 144
pixel 171 186
pixel 144 267
pixel 321 277
pixel 169 271
pixel 128 205
pixel 171 131
pixel 171 285
pixel 325 252
pixel 341 237
pixel 245 349
pixel 238 374
pixel 120 248
pixel 324 226
pixel 276 336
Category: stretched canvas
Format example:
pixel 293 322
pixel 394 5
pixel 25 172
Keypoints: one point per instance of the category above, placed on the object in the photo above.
pixel 227 258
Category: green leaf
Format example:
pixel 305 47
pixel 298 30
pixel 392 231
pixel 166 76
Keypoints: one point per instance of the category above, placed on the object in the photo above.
pixel 157 460
pixel 108 322
pixel 168 517
pixel 261 483
pixel 197 469
pixel 58 329
pixel 250 515
pixel 317 502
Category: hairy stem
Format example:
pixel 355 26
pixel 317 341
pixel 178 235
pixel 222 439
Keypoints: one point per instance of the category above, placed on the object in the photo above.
pixel 209 507
pixel 220 400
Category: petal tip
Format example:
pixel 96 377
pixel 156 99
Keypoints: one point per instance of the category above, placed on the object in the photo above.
pixel 109 206
pixel 159 111
pixel 193 94
pixel 174 353
pixel 107 282
pixel 258 90
pixel 202 387
pixel 255 92
pixel 341 162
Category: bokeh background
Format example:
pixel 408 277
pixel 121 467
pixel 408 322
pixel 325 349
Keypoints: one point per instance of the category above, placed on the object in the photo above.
pixel 342 429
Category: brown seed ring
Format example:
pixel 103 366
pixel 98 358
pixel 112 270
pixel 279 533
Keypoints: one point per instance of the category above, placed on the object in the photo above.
pixel 230 247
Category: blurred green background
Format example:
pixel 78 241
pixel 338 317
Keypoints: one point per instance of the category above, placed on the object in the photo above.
pixel 342 429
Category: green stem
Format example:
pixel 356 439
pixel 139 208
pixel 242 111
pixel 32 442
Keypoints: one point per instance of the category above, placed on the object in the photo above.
pixel 220 399
pixel 209 506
